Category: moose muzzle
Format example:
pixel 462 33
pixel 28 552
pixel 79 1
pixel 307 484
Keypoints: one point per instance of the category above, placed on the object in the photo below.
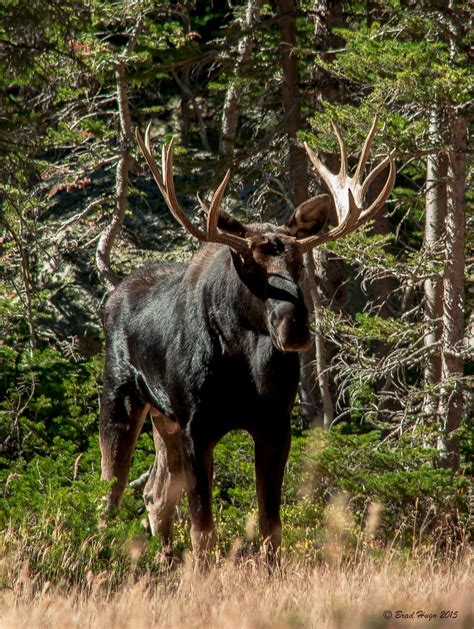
pixel 287 315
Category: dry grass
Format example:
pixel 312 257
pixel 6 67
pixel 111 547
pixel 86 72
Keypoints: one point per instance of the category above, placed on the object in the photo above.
pixel 349 582
pixel 246 595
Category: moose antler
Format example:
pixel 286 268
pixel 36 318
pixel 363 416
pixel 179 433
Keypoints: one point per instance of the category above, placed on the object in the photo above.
pixel 165 183
pixel 349 193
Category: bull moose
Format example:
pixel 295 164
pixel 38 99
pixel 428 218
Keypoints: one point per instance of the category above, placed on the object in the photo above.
pixel 212 346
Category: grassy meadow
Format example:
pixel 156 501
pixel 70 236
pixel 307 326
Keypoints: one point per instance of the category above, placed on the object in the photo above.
pixel 363 592
pixel 361 537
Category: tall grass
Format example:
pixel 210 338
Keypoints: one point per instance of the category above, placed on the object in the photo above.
pixel 245 594
pixel 366 530
pixel 343 585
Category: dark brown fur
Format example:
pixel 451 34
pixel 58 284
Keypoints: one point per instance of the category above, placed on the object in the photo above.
pixel 212 347
pixel 206 348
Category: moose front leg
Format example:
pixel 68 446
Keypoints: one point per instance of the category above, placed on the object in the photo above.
pixel 122 416
pixel 271 454
pixel 198 470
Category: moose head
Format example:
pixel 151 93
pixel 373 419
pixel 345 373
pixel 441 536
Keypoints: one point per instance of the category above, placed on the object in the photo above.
pixel 269 259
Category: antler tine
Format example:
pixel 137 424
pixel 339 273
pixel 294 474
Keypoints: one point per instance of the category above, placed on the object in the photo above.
pixel 326 175
pixel 164 158
pixel 202 203
pixel 349 208
pixel 213 234
pixel 386 190
pixel 147 137
pixel 145 149
pixel 359 173
pixel 167 161
pixel 373 174
pixel 173 204
pixel 165 181
pixel 213 214
pixel 342 147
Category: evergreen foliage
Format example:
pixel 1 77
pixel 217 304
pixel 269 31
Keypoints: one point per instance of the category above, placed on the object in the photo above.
pixel 60 142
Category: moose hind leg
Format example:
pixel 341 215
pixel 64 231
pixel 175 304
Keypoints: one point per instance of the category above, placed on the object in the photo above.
pixel 122 415
pixel 166 481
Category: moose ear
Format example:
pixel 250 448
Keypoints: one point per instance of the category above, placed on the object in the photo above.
pixel 225 222
pixel 309 217
pixel 231 225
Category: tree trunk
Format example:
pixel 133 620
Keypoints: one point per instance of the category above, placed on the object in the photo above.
pixel 299 176
pixel 320 363
pixel 329 271
pixel 327 15
pixel 184 77
pixel 435 213
pixel 451 407
pixel 298 164
pixel 452 364
pixel 184 108
pixel 309 388
pixel 388 402
pixel 230 111
pixel 106 241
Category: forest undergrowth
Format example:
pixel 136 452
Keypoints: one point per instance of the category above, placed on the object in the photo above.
pixel 349 559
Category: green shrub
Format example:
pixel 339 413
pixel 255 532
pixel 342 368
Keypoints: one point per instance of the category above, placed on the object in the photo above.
pixel 49 403
pixel 420 503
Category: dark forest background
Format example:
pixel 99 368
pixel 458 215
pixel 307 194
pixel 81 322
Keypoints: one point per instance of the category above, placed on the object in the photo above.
pixel 383 414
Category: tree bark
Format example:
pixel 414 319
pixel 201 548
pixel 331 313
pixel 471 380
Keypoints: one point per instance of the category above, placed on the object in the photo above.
pixel 298 164
pixel 298 168
pixel 184 78
pixel 327 15
pixel 452 364
pixel 435 214
pixel 230 111
pixel 329 271
pixel 320 363
pixel 381 289
pixel 453 296
pixel 309 387
pixel 106 241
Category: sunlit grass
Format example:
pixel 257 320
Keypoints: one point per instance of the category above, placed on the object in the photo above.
pixel 246 595
pixel 350 581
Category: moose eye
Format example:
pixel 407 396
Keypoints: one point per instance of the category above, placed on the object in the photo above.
pixel 272 248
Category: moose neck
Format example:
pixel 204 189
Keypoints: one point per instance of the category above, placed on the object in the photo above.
pixel 230 304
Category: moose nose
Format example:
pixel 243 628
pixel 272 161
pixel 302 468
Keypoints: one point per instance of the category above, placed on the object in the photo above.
pixel 288 318
pixel 290 328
